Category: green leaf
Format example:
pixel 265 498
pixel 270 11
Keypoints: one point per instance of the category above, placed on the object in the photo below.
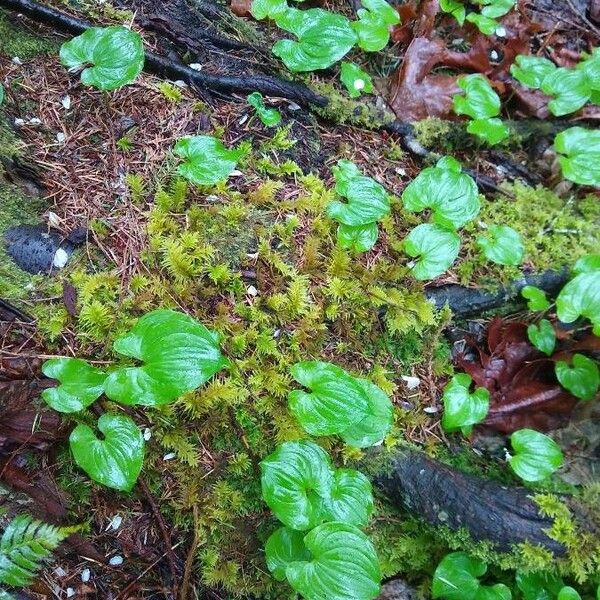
pixel 351 499
pixel 24 547
pixel 179 355
pixel 355 80
pixel 360 238
pixel 532 70
pixel 269 116
pixel 344 565
pixel 486 25
pixel 116 53
pixel 284 547
pixel 384 11
pixel 568 593
pixel 582 379
pixel 570 89
pixel 261 9
pixel 323 39
pixel 337 400
pixel 542 336
pixel 374 426
pixel 480 100
pixel 449 193
pixel 581 298
pixel 455 8
pixel 540 585
pixel 496 8
pixel 587 264
pixel 373 25
pixel 81 384
pixel 536 456
pixel 502 245
pixel 296 481
pixel 1 94
pixel 494 592
pixel 492 131
pixel 114 461
pixel 580 150
pixel 536 298
pixel 436 247
pixel 206 160
pixel 591 67
pixel 461 408
pixel 368 201
pixel 456 577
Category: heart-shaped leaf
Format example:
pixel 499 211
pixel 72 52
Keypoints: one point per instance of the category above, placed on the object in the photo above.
pixel 373 25
pixel 540 585
pixel 542 336
pixel 344 565
pixel 81 384
pixel 502 245
pixel 284 547
pixel 337 400
pixel 261 9
pixel 570 90
pixel 355 80
pixel 368 201
pixel 360 238
pixel 206 160
pixel 492 131
pixel 496 8
pixel 269 116
pixel 462 409
pixel 580 155
pixel 449 193
pixel 591 67
pixel 456 577
pixel 581 298
pixel 455 8
pixel 351 499
pixel 587 264
pixel 114 461
pixel 373 427
pixel 568 593
pixel 536 298
pixel 323 39
pixel 486 25
pixel 384 11
pixel 532 70
pixel 536 456
pixel 116 53
pixel 436 247
pixel 296 481
pixel 179 355
pixel 480 101
pixel 582 378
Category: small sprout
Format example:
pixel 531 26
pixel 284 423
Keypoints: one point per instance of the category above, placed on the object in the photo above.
pixel 356 80
pixel 436 246
pixel 463 409
pixel 542 336
pixel 502 245
pixel 269 116
pixel 536 298
pixel 579 155
pixel 582 378
pixel 536 456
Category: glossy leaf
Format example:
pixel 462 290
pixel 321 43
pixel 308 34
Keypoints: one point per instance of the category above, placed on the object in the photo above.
pixel 587 264
pixel 492 131
pixel 374 426
pixel 324 38
pixel 569 88
pixel 536 456
pixel 480 101
pixel 457 577
pixel 580 155
pixel 116 53
pixel 536 298
pixel 486 25
pixel 435 246
pixel 581 298
pixel 344 565
pixel 502 245
pixel 463 409
pixel 496 8
pixel 114 461
pixel 268 116
pixel 449 193
pixel 373 25
pixel 284 547
pixel 568 593
pixel 296 481
pixel 206 160
pixel 384 11
pixel 581 378
pixel 455 8
pixel 539 585
pixel 355 80
pixel 351 499
pixel 591 67
pixel 80 384
pixel 532 70
pixel 360 238
pixel 367 200
pixel 542 336
pixel 261 9
pixel 179 355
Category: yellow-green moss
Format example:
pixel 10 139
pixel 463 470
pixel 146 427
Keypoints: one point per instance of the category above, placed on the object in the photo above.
pixel 17 42
pixel 432 132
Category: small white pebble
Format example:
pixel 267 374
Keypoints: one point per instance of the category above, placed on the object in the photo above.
pixel 19 122
pixel 60 259
pixel 35 121
pixel 236 173
pixel 276 333
pixel 411 382
pixel 359 84
pixel 53 219
pixel 61 137
pixel 16 60
pixel 60 572
pixel 252 255
pixel 116 561
pixel 180 84
pixel 494 55
pixel 115 523
pixel 66 102
pixel 147 434
pixel 252 291
pixel 85 575
pixel 430 410
pixel 457 41
pixel 212 198
pixel 400 171
pixel 70 592
pixel 294 106
pixel 501 32
pixel 243 119
pixel 170 456
pixel 195 66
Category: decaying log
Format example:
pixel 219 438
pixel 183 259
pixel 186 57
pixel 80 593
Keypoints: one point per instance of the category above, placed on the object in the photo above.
pixel 443 496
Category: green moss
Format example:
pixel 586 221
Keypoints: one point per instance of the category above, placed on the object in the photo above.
pixel 17 42
pixel 432 132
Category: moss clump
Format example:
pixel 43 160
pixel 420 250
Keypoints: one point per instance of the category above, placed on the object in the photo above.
pixel 555 232
pixel 17 42
pixel 432 132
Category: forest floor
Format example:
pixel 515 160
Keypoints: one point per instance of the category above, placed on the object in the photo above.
pixel 255 259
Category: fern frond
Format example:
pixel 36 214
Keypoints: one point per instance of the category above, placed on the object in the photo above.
pixel 25 545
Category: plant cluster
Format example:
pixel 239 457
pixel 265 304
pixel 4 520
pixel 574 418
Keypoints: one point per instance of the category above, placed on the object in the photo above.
pixel 486 19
